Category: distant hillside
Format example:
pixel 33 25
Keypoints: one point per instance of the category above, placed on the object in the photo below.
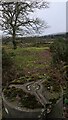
pixel 56 35
pixel 36 38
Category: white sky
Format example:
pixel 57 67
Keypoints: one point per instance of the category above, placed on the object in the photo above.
pixel 56 0
pixel 55 16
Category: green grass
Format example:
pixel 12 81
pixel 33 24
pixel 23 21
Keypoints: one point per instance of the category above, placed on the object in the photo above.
pixel 29 57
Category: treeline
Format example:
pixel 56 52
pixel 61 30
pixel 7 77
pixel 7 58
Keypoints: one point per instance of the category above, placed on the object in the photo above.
pixel 41 39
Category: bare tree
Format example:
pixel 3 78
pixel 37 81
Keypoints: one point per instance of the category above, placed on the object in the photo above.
pixel 16 18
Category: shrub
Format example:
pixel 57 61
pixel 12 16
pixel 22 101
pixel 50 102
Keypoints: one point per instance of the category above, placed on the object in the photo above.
pixel 6 59
pixel 59 51
pixel 8 68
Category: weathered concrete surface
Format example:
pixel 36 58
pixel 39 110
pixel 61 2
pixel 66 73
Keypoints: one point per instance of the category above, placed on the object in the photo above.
pixel 19 112
pixel 33 90
pixel 16 112
pixel 57 111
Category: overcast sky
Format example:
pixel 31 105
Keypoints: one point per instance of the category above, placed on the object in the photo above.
pixel 55 16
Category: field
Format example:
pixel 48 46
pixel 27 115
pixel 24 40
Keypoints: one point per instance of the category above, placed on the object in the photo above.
pixel 32 60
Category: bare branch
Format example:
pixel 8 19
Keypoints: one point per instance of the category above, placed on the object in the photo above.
pixel 15 16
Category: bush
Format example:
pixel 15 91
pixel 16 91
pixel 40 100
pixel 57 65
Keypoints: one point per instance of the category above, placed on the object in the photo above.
pixel 6 60
pixel 59 51
pixel 8 68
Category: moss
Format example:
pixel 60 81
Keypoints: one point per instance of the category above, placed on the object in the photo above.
pixel 53 100
pixel 50 82
pixel 30 102
pixel 26 100
pixel 20 80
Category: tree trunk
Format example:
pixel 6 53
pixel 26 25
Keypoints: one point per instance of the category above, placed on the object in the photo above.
pixel 14 42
